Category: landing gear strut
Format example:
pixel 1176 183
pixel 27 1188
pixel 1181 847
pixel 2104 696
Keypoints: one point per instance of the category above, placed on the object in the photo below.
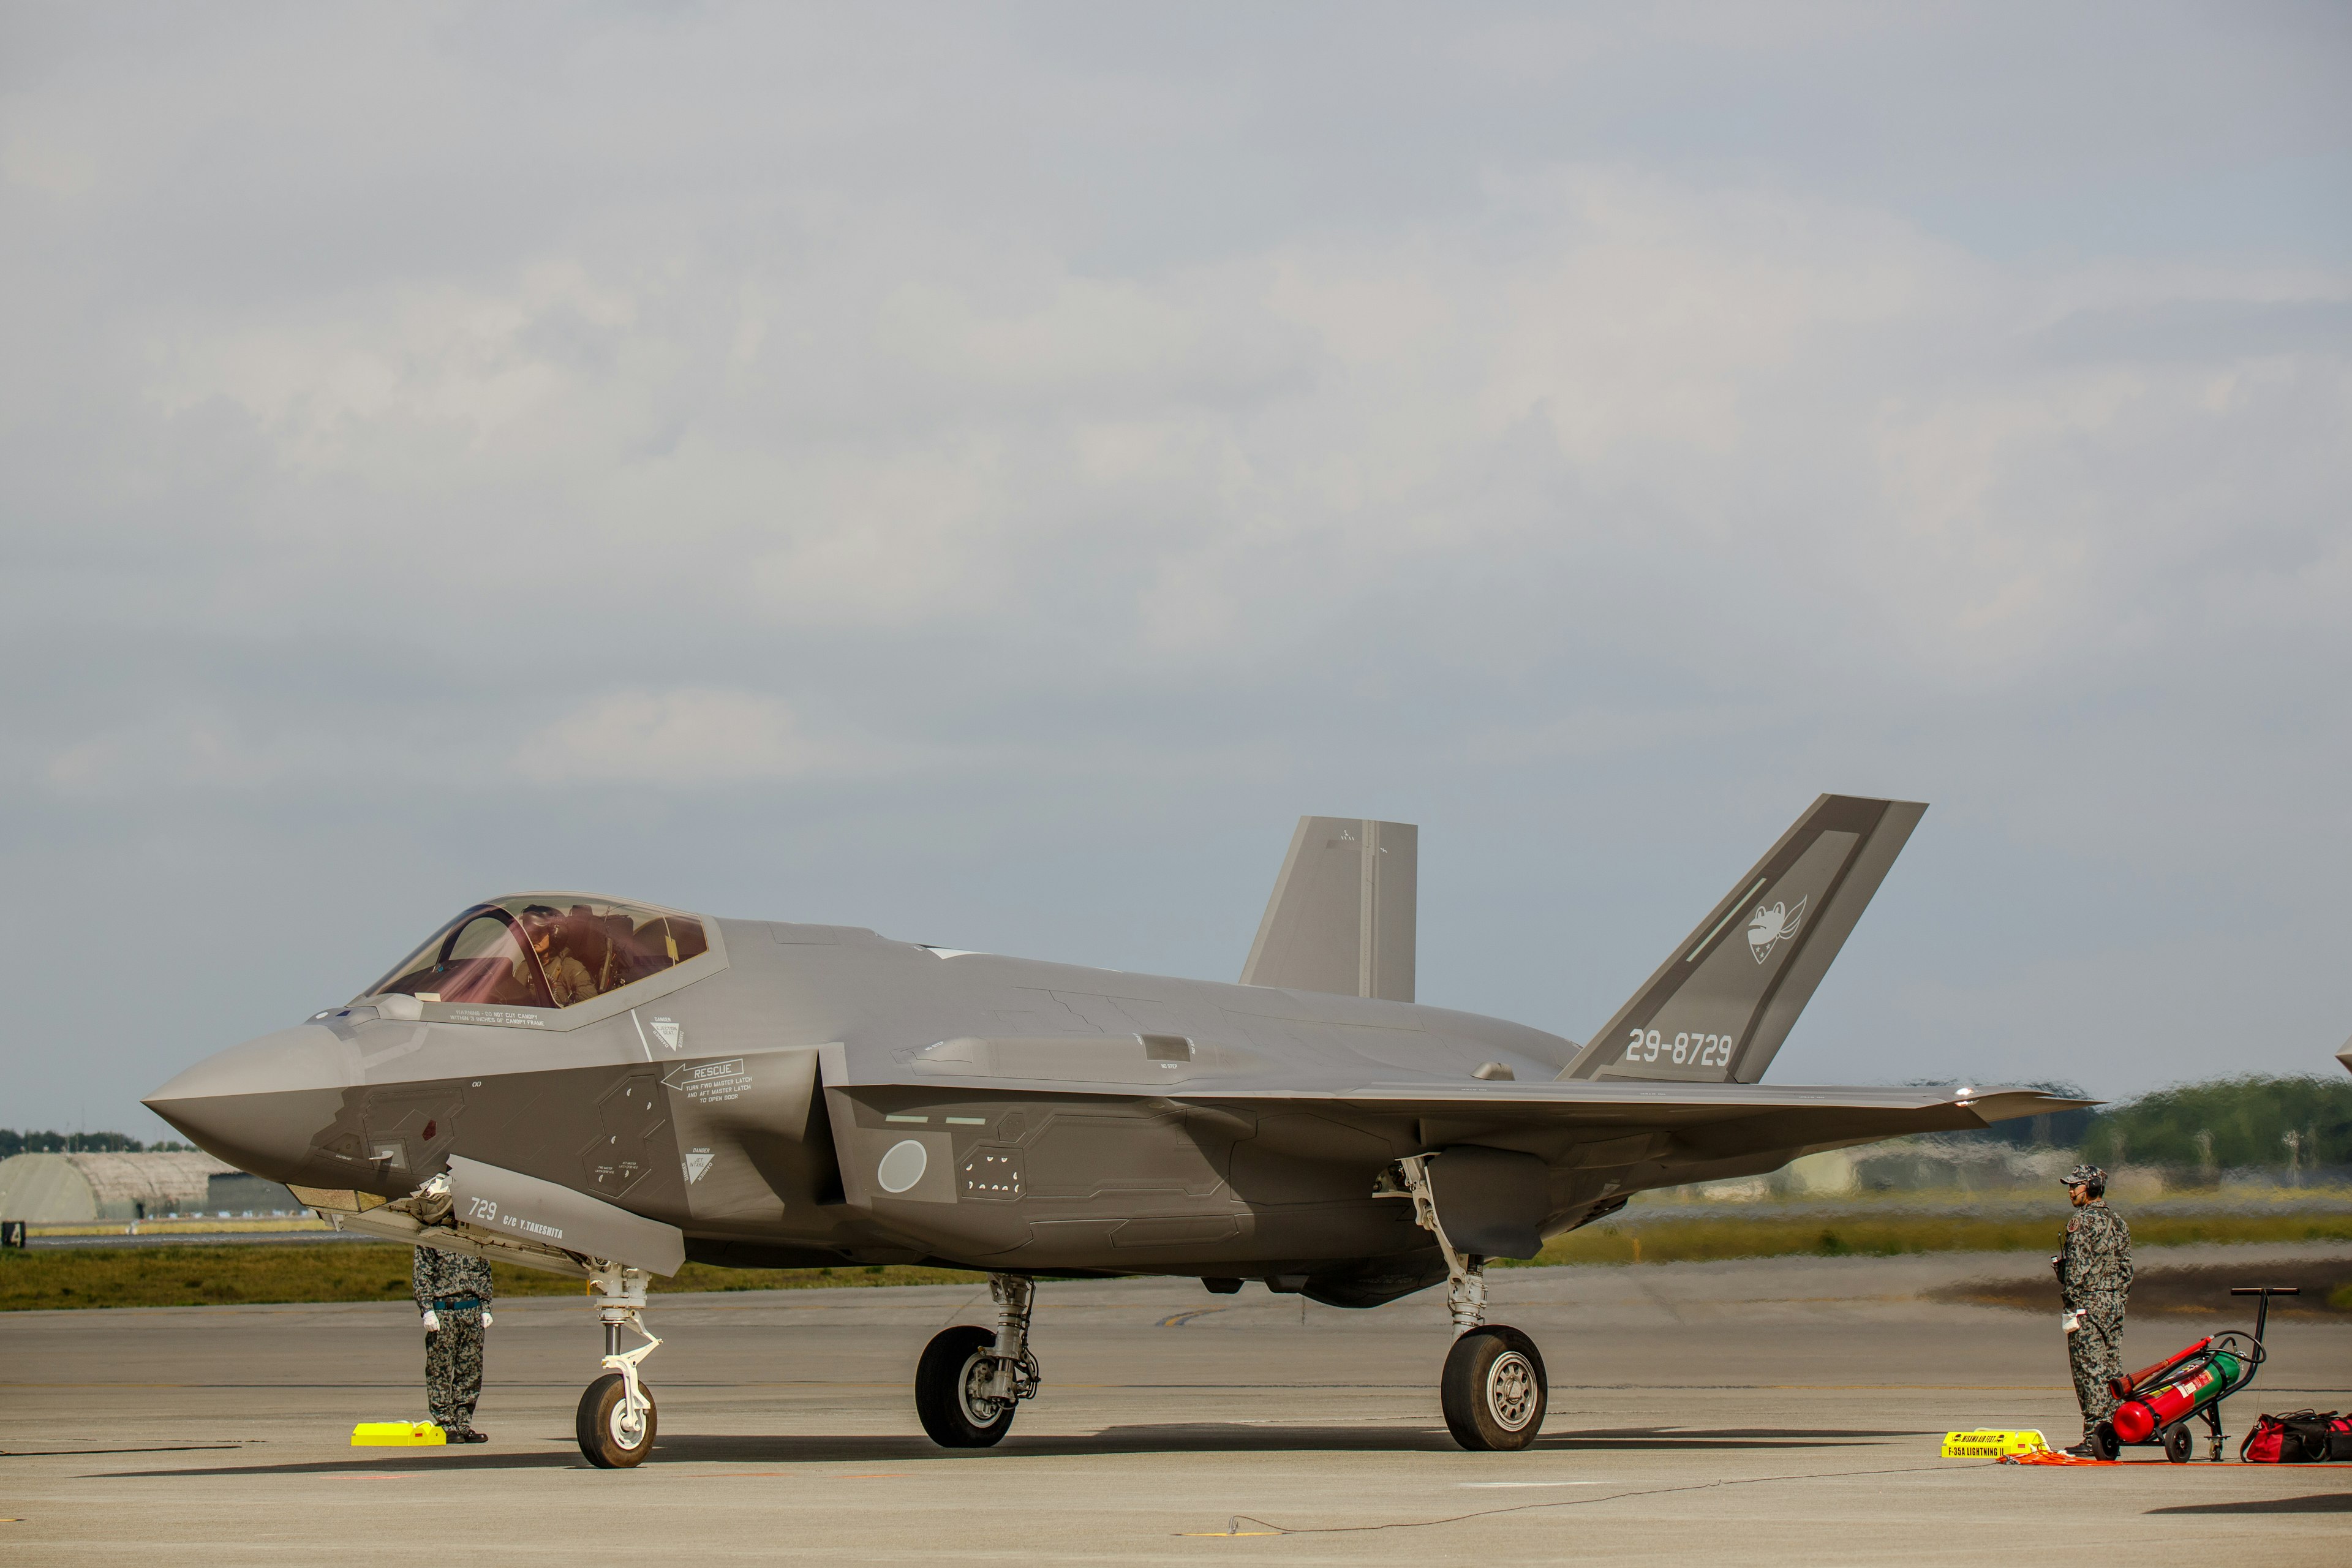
pixel 1493 1388
pixel 616 1418
pixel 970 1381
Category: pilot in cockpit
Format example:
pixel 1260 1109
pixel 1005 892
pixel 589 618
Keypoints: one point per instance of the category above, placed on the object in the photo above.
pixel 567 978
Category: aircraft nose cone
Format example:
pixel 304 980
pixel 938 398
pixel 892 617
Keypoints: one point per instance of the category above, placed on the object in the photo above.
pixel 256 1105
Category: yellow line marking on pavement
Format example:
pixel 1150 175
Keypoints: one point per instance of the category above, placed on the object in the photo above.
pixel 1178 1319
pixel 1226 1534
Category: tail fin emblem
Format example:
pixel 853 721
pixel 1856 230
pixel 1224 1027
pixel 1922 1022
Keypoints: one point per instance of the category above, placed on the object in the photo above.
pixel 1771 925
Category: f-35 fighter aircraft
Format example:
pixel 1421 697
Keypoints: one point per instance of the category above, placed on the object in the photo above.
pixel 606 1089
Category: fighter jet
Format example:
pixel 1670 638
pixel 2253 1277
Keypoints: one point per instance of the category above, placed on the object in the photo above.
pixel 606 1089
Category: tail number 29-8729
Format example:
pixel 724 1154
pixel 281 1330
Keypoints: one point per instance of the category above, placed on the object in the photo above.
pixel 1683 1050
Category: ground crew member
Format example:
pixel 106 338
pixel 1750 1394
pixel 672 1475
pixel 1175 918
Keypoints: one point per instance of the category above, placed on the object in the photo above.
pixel 452 1291
pixel 2094 1273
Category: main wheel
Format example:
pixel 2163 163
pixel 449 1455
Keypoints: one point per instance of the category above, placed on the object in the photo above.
pixel 608 1438
pixel 1493 1389
pixel 951 1390
pixel 2177 1442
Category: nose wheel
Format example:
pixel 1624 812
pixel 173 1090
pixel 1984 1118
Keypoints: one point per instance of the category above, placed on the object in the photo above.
pixel 616 1419
pixel 1493 1389
pixel 614 1435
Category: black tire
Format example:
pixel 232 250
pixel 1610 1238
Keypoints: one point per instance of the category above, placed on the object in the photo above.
pixel 2103 1441
pixel 2178 1443
pixel 944 1401
pixel 1494 1390
pixel 604 1442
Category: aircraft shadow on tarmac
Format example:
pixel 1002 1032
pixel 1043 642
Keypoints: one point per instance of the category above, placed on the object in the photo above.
pixel 2324 1502
pixel 1191 1437
pixel 1726 1437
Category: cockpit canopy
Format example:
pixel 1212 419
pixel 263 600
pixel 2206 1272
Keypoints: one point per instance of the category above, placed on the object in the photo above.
pixel 544 950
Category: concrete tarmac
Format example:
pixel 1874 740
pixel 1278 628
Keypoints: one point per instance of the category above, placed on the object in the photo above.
pixel 1759 1412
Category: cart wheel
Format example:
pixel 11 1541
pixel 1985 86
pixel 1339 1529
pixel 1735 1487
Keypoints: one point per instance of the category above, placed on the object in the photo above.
pixel 2104 1442
pixel 2177 1442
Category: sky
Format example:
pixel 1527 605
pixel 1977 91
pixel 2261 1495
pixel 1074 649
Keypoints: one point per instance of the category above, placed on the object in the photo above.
pixel 981 472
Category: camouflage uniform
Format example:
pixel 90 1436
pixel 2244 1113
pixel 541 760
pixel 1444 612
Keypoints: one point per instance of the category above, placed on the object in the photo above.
pixel 2098 1272
pixel 453 1352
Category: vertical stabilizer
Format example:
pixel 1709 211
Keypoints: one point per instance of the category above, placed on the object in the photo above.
pixel 1341 917
pixel 1718 1009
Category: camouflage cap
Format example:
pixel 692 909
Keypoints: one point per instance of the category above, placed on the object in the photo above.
pixel 2089 1176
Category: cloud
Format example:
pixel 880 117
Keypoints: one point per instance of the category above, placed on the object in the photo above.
pixel 681 738
pixel 171 752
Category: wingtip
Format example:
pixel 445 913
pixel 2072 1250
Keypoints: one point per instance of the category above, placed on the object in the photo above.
pixel 2003 1102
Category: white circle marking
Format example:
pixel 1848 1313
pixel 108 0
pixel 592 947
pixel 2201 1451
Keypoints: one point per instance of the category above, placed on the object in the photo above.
pixel 902 1167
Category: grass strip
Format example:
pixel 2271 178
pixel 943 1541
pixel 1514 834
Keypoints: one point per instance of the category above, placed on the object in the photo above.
pixel 228 1275
pixel 1864 1236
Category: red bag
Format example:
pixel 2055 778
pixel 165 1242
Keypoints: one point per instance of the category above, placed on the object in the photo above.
pixel 2262 1444
pixel 2299 1437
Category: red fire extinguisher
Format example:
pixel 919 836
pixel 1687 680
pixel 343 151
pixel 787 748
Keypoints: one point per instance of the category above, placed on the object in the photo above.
pixel 2207 1376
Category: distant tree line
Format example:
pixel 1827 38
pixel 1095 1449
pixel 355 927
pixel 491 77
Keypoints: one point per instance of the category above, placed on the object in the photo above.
pixel 15 1143
pixel 2214 1125
pixel 2229 1122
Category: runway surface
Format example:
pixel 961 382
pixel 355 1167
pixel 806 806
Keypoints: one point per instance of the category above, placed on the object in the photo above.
pixel 1763 1412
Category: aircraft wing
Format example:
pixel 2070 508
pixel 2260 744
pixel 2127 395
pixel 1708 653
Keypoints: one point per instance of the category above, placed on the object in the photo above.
pixel 1685 1122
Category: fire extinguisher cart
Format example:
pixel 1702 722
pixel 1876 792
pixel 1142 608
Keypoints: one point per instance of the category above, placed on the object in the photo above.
pixel 2156 1403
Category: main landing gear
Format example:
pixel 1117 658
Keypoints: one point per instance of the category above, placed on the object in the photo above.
pixel 1493 1388
pixel 970 1381
pixel 616 1420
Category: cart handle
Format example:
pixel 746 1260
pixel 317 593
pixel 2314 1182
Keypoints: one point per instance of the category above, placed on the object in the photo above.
pixel 2262 1309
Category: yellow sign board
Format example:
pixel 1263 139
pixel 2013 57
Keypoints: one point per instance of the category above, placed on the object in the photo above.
pixel 1992 1445
pixel 397 1435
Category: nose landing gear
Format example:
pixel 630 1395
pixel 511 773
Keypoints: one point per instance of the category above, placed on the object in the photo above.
pixel 970 1381
pixel 616 1419
pixel 1494 1389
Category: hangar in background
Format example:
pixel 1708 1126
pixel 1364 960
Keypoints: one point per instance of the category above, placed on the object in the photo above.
pixel 67 1189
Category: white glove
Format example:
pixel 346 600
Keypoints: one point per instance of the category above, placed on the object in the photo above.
pixel 2070 1321
pixel 486 1317
pixel 431 1321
